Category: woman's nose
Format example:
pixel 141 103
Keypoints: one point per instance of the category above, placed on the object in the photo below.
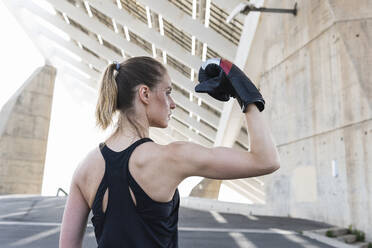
pixel 172 104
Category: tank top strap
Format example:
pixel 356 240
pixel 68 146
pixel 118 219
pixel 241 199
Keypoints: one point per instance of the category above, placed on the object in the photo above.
pixel 109 154
pixel 141 197
pixel 133 146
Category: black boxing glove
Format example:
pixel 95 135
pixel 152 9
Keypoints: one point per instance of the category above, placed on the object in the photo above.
pixel 221 79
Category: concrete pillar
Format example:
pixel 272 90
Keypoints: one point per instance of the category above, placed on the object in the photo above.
pixel 207 188
pixel 24 126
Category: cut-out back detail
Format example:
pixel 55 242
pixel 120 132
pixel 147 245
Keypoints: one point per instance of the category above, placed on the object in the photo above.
pixel 105 200
pixel 146 223
pixel 133 196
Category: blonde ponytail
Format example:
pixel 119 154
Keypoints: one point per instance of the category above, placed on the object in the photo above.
pixel 107 98
pixel 118 91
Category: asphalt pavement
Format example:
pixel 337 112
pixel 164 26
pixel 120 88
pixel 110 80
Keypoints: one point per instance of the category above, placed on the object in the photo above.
pixel 34 222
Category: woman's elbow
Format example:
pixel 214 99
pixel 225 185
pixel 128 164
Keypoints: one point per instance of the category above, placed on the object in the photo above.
pixel 269 162
pixel 271 165
pixel 274 166
pixel 267 165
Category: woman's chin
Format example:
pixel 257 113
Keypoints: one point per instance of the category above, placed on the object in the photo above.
pixel 166 124
pixel 161 125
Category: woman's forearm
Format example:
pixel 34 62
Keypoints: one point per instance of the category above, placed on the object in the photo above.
pixel 261 141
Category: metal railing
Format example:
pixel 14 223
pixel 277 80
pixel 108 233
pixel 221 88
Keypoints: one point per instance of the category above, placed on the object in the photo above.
pixel 61 190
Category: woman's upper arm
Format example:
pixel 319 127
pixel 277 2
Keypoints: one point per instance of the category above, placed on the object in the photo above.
pixel 191 159
pixel 75 218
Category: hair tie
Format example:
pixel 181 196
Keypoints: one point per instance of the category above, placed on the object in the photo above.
pixel 117 65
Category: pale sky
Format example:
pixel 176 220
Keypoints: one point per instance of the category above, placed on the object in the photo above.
pixel 18 59
pixel 72 132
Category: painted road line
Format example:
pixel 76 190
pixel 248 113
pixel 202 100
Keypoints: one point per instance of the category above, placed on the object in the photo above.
pixel 238 230
pixel 35 237
pixel 186 229
pixel 219 218
pixel 29 223
pixel 12 214
pixel 241 240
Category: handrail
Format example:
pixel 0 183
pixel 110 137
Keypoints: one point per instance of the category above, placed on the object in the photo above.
pixel 61 190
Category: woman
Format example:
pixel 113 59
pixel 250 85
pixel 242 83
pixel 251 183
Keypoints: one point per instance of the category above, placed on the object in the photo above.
pixel 129 182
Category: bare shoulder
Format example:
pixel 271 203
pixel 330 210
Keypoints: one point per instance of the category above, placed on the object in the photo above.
pixel 154 164
pixel 167 158
pixel 89 173
pixel 93 160
pixel 154 153
pixel 149 152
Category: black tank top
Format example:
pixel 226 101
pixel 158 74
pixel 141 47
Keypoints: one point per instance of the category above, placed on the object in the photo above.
pixel 147 224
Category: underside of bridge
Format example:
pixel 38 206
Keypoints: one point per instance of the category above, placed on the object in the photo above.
pixel 313 70
pixel 84 36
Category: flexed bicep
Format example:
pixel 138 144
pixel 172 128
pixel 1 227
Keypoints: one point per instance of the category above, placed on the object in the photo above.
pixel 191 159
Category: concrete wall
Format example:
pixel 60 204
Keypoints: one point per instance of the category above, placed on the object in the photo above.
pixel 314 70
pixel 24 126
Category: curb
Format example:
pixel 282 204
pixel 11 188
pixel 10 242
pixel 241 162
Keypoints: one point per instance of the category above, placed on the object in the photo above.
pixel 314 234
pixel 222 207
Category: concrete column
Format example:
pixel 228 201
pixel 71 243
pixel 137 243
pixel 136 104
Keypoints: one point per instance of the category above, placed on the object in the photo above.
pixel 24 127
pixel 207 188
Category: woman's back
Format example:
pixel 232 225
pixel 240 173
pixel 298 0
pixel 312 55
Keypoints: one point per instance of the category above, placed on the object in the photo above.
pixel 146 165
pixel 145 223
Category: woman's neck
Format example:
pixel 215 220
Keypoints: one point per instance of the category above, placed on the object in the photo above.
pixel 125 133
pixel 121 140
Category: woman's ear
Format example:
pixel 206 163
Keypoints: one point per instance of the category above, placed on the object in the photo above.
pixel 144 94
